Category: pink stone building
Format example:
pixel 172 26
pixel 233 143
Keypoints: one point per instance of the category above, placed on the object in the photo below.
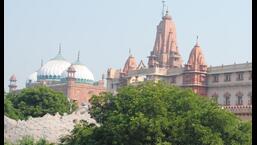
pixel 230 85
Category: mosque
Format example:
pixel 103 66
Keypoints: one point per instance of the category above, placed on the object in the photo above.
pixel 228 85
pixel 75 80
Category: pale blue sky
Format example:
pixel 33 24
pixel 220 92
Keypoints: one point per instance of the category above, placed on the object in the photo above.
pixel 104 31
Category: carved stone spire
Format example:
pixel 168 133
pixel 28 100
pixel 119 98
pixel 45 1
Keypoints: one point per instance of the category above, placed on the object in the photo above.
pixel 196 59
pixel 130 64
pixel 165 52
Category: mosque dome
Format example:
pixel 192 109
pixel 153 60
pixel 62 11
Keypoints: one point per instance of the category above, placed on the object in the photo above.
pixel 54 68
pixel 32 77
pixel 82 73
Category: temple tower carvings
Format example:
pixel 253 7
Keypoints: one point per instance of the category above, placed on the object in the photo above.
pixel 165 52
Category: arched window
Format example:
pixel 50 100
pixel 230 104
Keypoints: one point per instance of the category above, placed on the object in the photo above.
pixel 227 99
pixel 239 100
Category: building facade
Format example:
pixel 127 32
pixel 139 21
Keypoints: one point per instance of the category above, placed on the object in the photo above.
pixel 228 85
pixel 74 80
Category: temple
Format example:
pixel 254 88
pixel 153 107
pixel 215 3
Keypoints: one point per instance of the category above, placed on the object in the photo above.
pixel 228 85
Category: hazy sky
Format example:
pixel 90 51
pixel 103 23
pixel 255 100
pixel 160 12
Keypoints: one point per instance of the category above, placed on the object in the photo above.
pixel 104 31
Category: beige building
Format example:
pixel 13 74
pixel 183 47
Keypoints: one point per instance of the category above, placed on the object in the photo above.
pixel 228 85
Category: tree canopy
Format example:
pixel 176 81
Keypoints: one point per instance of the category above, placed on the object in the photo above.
pixel 36 102
pixel 28 140
pixel 159 114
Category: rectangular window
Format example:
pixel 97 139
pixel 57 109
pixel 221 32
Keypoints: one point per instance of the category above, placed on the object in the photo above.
pixel 215 78
pixel 240 76
pixel 239 100
pixel 227 100
pixel 227 77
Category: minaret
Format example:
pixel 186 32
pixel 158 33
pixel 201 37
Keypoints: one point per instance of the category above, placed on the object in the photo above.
pixel 71 80
pixel 101 82
pixel 165 52
pixel 12 86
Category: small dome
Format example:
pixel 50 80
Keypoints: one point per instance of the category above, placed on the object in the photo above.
pixel 71 69
pixel 32 77
pixel 81 73
pixel 13 78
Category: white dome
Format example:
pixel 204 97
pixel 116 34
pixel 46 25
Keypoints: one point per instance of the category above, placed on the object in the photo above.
pixel 82 72
pixel 32 77
pixel 54 68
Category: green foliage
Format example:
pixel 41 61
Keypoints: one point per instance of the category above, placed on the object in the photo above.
pixel 159 114
pixel 36 102
pixel 9 110
pixel 28 140
pixel 80 135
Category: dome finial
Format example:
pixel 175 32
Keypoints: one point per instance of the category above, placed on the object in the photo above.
pixel 103 76
pixel 42 63
pixel 78 56
pixel 60 48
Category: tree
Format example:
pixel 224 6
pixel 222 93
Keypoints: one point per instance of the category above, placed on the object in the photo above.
pixel 28 140
pixel 36 102
pixel 159 114
pixel 9 110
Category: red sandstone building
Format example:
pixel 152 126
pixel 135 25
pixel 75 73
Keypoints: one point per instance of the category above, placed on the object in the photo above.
pixel 75 80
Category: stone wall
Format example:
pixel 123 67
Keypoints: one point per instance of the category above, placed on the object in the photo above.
pixel 50 127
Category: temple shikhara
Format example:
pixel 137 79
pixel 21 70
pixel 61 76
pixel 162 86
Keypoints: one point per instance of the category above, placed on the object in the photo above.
pixel 228 85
